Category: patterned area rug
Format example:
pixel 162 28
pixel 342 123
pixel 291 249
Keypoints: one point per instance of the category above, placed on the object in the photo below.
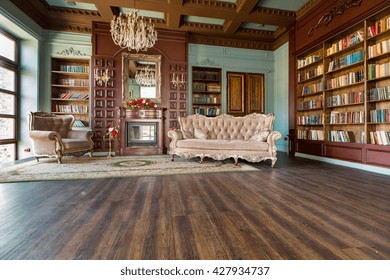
pixel 121 166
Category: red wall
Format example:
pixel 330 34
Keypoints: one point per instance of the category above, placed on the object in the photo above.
pixel 105 100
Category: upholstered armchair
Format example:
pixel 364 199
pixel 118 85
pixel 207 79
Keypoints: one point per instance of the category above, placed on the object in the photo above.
pixel 52 136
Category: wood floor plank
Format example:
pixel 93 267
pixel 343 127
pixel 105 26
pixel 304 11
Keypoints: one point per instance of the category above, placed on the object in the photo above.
pixel 300 209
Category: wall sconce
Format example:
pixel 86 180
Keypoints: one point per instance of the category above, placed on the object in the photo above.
pixel 102 77
pixel 178 81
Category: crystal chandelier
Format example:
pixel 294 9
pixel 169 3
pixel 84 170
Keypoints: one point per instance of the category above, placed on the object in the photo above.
pixel 146 77
pixel 132 31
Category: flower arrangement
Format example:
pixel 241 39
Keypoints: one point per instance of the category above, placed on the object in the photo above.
pixel 112 133
pixel 139 103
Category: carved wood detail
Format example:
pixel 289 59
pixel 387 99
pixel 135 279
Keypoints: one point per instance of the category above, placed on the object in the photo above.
pixel 342 6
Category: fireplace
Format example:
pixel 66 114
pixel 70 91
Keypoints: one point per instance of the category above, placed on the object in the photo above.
pixel 141 132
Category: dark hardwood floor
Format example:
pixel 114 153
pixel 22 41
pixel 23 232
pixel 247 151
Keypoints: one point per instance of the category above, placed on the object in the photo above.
pixel 301 209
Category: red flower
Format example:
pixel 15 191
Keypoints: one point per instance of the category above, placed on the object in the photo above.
pixel 139 103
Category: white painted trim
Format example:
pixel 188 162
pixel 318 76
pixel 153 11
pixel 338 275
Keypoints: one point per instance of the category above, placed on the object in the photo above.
pixel 380 170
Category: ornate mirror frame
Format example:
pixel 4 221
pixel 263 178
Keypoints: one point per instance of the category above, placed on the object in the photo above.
pixel 126 57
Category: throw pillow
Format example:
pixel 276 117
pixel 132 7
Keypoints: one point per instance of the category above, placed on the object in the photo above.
pixel 259 136
pixel 187 134
pixel 201 133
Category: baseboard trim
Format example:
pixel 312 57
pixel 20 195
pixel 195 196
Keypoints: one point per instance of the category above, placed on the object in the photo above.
pixel 370 168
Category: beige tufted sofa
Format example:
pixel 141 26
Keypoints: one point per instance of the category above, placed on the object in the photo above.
pixel 250 138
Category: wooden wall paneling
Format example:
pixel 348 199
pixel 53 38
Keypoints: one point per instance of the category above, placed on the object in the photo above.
pixel 171 45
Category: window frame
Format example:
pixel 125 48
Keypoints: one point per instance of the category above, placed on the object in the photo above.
pixel 12 66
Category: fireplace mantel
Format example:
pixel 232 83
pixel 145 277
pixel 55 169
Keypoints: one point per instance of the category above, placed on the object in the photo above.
pixel 141 131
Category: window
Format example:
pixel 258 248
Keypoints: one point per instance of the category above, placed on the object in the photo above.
pixel 8 98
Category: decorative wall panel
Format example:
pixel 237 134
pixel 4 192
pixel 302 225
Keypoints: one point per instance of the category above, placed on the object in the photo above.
pixel 171 45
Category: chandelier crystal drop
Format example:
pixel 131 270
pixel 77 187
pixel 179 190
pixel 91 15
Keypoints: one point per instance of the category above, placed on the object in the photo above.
pixel 132 31
pixel 146 77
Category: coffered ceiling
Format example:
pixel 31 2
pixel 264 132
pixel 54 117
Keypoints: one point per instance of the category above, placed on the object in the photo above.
pixel 257 24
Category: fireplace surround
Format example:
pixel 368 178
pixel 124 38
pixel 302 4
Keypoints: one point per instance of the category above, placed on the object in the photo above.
pixel 141 131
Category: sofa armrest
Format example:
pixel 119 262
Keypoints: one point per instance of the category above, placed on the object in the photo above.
pixel 271 139
pixel 175 135
pixel 44 135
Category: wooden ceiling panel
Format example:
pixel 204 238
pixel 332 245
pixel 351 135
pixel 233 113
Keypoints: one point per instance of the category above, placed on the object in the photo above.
pixel 235 17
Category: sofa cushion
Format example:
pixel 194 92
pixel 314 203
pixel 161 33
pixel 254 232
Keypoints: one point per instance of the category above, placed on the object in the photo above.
pixel 70 143
pixel 259 135
pixel 187 134
pixel 214 144
pixel 201 133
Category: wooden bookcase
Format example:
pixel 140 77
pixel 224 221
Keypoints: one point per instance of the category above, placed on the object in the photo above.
pixel 206 91
pixel 70 89
pixel 343 94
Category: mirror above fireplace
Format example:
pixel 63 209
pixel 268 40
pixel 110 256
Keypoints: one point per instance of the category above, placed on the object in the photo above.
pixel 141 76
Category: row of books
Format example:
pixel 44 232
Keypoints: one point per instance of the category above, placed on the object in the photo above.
pixel 380 137
pixel 311 73
pixel 309 89
pixel 211 112
pixel 74 68
pixel 348 41
pixel 311 134
pixel 73 82
pixel 74 96
pixel 380 115
pixel 341 136
pixel 346 60
pixel 210 76
pixel 378 27
pixel 199 87
pixel 308 60
pixel 336 117
pixel 379 48
pixel 83 109
pixel 380 93
pixel 312 119
pixel 205 99
pixel 213 87
pixel 311 104
pixel 347 79
pixel 79 123
pixel 352 97
pixel 378 70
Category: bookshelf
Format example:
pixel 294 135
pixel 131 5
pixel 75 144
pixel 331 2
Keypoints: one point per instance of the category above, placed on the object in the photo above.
pixel 70 92
pixel 343 94
pixel 206 91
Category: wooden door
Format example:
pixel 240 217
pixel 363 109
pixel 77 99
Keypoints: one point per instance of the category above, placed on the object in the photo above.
pixel 254 93
pixel 245 93
pixel 236 94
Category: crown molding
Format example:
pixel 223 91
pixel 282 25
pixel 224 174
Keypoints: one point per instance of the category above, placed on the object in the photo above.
pixel 226 42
